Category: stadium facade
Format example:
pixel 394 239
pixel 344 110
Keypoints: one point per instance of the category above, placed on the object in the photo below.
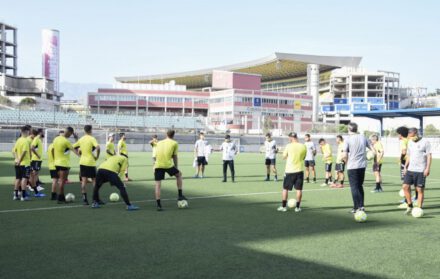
pixel 283 87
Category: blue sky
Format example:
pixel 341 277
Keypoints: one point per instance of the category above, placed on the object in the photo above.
pixel 103 39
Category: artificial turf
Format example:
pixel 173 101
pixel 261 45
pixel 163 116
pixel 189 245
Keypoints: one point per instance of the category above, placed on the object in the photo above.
pixel 230 230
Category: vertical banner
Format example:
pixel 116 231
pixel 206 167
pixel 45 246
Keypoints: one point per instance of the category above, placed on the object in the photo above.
pixel 51 55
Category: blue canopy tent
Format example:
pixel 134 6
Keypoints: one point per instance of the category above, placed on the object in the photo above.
pixel 414 113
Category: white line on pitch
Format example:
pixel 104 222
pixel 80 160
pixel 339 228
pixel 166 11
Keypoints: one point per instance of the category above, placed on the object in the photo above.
pixel 151 200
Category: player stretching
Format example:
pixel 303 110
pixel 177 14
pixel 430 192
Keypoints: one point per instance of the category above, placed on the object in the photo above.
pixel 340 164
pixel 110 171
pixel 271 149
pixel 122 150
pixel 377 164
pixel 110 146
pixel 153 143
pixel 327 157
pixel 200 153
pixel 36 160
pixel 229 151
pixel 294 154
pixel 417 167
pixel 22 158
pixel 167 162
pixel 86 145
pixel 310 158
pixel 61 155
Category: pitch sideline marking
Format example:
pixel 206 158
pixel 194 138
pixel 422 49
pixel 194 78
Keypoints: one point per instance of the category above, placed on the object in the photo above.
pixel 152 200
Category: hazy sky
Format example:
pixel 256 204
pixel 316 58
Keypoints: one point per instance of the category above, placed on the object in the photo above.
pixel 103 39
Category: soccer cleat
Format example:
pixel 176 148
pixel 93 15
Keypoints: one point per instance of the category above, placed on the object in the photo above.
pixel 39 188
pixel 86 202
pixel 275 179
pixel 233 180
pixel 408 211
pixel 53 197
pixel 376 191
pixel 181 198
pixel 95 204
pixel 282 209
pixel 403 206
pixel 39 195
pixel 15 198
pixel 159 208
pixel 224 180
pixel 201 176
pixel 353 211
pixel 314 181
pixel 132 207
pixel 298 209
pixel 24 198
pixel 196 176
pixel 307 181
pixel 324 184
pixel 100 202
pixel 29 188
pixel 128 179
pixel 267 179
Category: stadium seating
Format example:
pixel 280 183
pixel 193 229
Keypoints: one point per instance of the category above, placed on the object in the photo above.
pixel 47 118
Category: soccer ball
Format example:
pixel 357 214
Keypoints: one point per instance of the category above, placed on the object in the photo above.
pixel 291 203
pixel 114 197
pixel 417 212
pixel 70 197
pixel 370 155
pixel 402 193
pixel 360 216
pixel 182 204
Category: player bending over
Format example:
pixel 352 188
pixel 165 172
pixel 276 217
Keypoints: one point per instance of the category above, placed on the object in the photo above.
pixel 294 154
pixel 86 145
pixel 417 167
pixel 377 164
pixel 271 149
pixel 167 162
pixel 309 162
pixel 327 157
pixel 111 170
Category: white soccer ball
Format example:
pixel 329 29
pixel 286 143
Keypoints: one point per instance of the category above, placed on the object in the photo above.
pixel 360 216
pixel 370 155
pixel 402 193
pixel 70 197
pixel 291 203
pixel 182 204
pixel 114 197
pixel 417 212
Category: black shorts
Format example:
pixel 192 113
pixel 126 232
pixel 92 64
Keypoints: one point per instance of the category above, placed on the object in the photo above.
pixel 270 162
pixel 104 176
pixel 417 179
pixel 53 174
pixel 36 165
pixel 340 167
pixel 309 163
pixel 159 174
pixel 201 161
pixel 402 167
pixel 328 167
pixel 87 171
pixel 293 180
pixel 22 172
pixel 377 167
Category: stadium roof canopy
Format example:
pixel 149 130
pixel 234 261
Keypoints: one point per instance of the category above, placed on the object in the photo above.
pixel 414 113
pixel 277 66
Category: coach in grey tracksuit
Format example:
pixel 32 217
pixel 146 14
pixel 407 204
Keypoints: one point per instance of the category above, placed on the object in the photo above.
pixel 355 158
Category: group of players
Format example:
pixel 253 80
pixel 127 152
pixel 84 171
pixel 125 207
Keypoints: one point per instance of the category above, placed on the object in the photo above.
pixel 351 154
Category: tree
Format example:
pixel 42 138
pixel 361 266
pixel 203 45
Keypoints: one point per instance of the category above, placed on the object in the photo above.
pixel 343 129
pixel 431 130
pixel 28 102
pixel 5 101
pixel 267 124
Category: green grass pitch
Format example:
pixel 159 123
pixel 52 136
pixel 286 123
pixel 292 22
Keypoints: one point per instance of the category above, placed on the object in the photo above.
pixel 229 230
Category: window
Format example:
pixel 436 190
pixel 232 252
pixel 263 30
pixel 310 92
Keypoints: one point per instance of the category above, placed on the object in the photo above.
pixel 156 99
